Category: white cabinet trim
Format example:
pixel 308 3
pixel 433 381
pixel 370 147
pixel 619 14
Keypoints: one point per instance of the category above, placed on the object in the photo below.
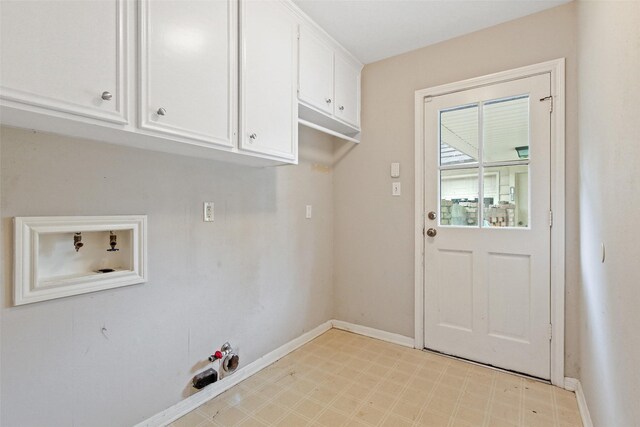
pixel 327 131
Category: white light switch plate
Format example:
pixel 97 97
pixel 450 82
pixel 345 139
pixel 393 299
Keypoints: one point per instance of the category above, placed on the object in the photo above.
pixel 396 189
pixel 309 211
pixel 395 170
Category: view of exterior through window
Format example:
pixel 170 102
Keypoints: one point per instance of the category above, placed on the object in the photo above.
pixel 488 139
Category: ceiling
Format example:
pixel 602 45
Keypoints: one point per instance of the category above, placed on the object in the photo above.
pixel 377 29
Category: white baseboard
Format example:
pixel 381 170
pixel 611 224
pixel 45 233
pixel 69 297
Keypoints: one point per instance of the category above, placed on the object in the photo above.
pixel 570 384
pixel 192 402
pixel 573 384
pixel 374 333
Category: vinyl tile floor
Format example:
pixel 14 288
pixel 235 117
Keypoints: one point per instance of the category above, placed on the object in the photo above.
pixel 344 379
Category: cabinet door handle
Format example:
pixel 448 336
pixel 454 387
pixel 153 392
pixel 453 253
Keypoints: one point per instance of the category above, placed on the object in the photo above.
pixel 161 111
pixel 106 96
pixel 253 136
pixel 328 100
pixel 341 108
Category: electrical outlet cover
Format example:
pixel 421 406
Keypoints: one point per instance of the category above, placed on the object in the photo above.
pixel 208 212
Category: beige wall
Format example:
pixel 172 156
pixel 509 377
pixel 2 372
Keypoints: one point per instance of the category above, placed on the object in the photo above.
pixel 374 280
pixel 260 275
pixel 609 118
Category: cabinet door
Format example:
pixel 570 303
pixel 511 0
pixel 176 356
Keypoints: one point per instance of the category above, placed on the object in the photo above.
pixel 188 63
pixel 65 57
pixel 347 77
pixel 269 110
pixel 316 72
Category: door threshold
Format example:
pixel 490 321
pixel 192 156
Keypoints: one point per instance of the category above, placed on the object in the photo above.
pixel 495 368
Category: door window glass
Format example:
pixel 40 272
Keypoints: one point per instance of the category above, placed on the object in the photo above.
pixel 488 139
pixel 506 196
pixel 505 124
pixel 459 135
pixel 459 197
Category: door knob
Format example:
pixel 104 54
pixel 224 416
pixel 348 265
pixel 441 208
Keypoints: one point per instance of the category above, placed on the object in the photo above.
pixel 106 96
pixel 431 215
pixel 161 111
pixel 431 232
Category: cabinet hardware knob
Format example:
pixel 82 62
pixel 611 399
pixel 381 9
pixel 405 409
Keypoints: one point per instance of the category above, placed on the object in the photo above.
pixel 328 100
pixel 161 111
pixel 106 96
pixel 431 232
pixel 341 108
pixel 253 136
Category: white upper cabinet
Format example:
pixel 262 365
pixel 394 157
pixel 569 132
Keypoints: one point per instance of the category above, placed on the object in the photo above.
pixel 222 79
pixel 268 104
pixel 67 57
pixel 188 69
pixel 316 72
pixel 347 89
pixel 329 88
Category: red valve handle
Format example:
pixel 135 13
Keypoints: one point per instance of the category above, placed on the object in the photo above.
pixel 215 356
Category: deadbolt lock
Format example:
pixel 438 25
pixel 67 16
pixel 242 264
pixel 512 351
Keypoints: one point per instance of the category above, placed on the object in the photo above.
pixel 431 215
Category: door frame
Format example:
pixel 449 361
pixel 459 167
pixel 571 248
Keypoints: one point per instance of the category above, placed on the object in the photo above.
pixel 557 70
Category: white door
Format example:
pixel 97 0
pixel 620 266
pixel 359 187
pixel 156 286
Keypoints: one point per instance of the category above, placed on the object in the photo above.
pixel 487 248
pixel 268 104
pixel 188 69
pixel 347 91
pixel 316 72
pixel 65 56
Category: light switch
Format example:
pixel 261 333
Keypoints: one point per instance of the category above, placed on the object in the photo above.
pixel 396 189
pixel 309 211
pixel 395 170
